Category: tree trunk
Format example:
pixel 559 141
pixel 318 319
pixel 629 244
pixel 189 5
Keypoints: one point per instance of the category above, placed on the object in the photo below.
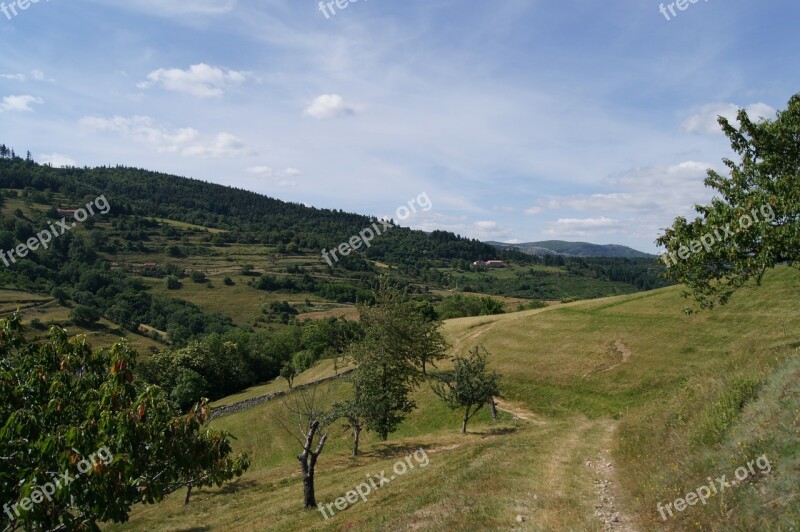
pixel 309 497
pixel 356 436
pixel 188 493
pixel 493 406
pixel 308 460
pixel 464 424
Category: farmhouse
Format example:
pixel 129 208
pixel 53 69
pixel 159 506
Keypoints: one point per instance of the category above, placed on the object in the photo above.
pixel 481 265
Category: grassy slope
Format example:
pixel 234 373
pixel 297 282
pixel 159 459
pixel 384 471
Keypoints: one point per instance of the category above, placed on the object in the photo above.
pixel 683 398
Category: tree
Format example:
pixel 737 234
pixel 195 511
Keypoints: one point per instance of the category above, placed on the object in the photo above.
pixel 354 414
pixel 172 282
pixel 469 386
pixel 754 223
pixel 289 372
pixel 395 323
pixel 62 404
pixel 189 388
pixel 391 358
pixel 304 411
pixel 84 316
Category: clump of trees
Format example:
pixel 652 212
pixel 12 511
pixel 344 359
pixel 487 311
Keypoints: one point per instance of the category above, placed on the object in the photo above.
pixel 460 306
pixel 219 364
pixel 62 402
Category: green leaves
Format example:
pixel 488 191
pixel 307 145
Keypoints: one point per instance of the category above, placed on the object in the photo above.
pixel 754 223
pixel 392 357
pixel 62 402
pixel 469 386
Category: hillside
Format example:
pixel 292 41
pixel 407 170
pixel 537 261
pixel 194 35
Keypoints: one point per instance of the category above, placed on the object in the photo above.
pixel 611 407
pixel 574 249
pixel 253 252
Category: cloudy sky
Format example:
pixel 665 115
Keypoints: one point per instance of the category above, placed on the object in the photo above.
pixel 521 120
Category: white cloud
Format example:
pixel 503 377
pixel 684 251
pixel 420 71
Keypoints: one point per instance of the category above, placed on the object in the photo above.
pixel 705 119
pixel 57 160
pixel 19 103
pixel 533 211
pixel 199 80
pixel 282 178
pixel 482 229
pixel 169 8
pixel 224 145
pixel 186 141
pixel 646 200
pixel 260 170
pixel 329 106
pixel 35 74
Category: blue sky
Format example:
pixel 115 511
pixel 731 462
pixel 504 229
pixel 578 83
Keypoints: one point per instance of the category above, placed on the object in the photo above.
pixel 521 120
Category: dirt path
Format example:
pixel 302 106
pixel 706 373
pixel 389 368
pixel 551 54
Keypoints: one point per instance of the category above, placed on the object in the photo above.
pixel 623 350
pixel 606 485
pixel 520 412
pixel 587 442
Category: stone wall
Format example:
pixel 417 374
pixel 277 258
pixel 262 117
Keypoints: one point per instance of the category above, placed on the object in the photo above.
pixel 255 401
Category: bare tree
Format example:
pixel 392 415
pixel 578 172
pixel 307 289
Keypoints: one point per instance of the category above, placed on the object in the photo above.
pixel 303 418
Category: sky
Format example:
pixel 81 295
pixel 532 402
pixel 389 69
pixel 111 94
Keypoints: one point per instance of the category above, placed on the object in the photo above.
pixel 521 120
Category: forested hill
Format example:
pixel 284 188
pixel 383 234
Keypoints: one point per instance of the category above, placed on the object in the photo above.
pixel 246 216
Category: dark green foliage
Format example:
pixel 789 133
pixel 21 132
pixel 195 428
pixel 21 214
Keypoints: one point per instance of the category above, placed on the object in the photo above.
pixel 189 388
pixel 172 283
pixel 84 316
pixel 64 404
pixel 459 306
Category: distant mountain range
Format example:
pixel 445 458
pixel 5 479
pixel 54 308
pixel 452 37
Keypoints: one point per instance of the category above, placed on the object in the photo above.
pixel 574 249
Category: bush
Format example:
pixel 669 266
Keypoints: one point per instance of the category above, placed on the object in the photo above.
pixel 84 316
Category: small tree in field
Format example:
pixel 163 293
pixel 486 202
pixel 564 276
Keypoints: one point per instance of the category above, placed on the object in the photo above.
pixel 303 418
pixel 469 386
pixel 754 222
pixel 354 415
pixel 289 372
